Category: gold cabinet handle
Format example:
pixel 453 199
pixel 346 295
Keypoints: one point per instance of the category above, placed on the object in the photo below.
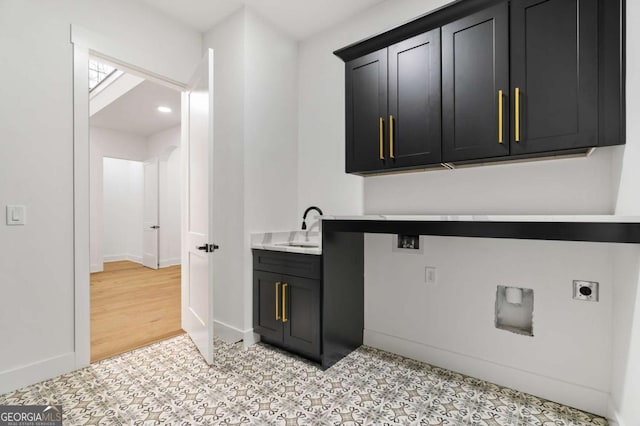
pixel 391 153
pixel 277 299
pixel 500 116
pixel 284 302
pixel 381 138
pixel 517 102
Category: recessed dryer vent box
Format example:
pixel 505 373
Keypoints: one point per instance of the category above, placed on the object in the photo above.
pixel 411 242
pixel 404 243
pixel 514 310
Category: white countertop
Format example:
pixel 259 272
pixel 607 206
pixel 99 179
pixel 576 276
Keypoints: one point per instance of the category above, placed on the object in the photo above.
pixel 276 241
pixel 495 218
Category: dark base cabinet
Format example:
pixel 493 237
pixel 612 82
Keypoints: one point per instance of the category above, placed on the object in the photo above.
pixel 290 306
pixel 286 307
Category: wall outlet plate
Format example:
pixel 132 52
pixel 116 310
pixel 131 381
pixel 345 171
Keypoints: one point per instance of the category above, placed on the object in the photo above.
pixel 587 291
pixel 430 275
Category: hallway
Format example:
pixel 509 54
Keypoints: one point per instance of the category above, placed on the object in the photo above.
pixel 133 306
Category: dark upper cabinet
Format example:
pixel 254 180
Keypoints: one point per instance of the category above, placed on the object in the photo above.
pixel 487 80
pixel 393 106
pixel 554 69
pixel 366 111
pixel 414 122
pixel 475 85
pixel 301 315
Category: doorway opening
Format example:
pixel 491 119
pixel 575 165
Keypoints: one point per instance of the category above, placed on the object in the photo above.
pixel 197 189
pixel 135 196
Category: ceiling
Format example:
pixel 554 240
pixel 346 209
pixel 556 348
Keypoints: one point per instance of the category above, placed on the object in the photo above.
pixel 136 111
pixel 298 18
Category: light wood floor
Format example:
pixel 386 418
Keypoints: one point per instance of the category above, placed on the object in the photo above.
pixel 133 306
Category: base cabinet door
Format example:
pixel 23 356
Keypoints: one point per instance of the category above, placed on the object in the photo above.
pixel 301 315
pixel 267 305
pixel 475 86
pixel 287 299
pixel 554 69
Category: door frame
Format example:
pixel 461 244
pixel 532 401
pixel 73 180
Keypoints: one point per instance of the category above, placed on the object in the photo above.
pixel 154 161
pixel 85 44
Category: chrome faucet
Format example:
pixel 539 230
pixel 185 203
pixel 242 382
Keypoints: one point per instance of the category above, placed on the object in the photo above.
pixel 306 212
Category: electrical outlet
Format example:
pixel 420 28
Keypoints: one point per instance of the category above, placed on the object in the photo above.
pixel 585 290
pixel 430 275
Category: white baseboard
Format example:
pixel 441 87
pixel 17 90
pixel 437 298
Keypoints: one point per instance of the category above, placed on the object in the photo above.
pixel 250 338
pixel 97 268
pixel 613 416
pixel 114 258
pixel 138 259
pixel 571 394
pixel 121 257
pixel 170 262
pixel 227 332
pixel 36 372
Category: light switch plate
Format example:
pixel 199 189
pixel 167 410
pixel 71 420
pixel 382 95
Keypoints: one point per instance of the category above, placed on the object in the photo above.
pixel 16 215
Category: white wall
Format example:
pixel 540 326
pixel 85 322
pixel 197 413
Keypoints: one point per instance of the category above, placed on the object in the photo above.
pixel 597 184
pixel 271 154
pixel 625 380
pixel 112 144
pixel 227 40
pixel 625 390
pixel 123 195
pixel 452 323
pixel 165 145
pixel 37 166
pixel 255 150
pixel 562 186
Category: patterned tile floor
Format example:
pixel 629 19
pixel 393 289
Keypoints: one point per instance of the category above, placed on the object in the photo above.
pixel 168 383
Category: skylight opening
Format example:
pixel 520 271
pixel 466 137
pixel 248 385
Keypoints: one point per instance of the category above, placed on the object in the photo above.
pixel 98 72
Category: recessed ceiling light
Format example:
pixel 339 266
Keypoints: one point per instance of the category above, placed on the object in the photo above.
pixel 164 109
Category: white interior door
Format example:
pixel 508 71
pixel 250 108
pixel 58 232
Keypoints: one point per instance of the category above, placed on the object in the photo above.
pixel 150 250
pixel 198 221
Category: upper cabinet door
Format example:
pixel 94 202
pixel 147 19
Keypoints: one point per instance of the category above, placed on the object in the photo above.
pixel 475 86
pixel 366 111
pixel 414 122
pixel 554 65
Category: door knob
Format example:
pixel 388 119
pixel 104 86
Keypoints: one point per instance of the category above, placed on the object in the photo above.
pixel 154 227
pixel 208 248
